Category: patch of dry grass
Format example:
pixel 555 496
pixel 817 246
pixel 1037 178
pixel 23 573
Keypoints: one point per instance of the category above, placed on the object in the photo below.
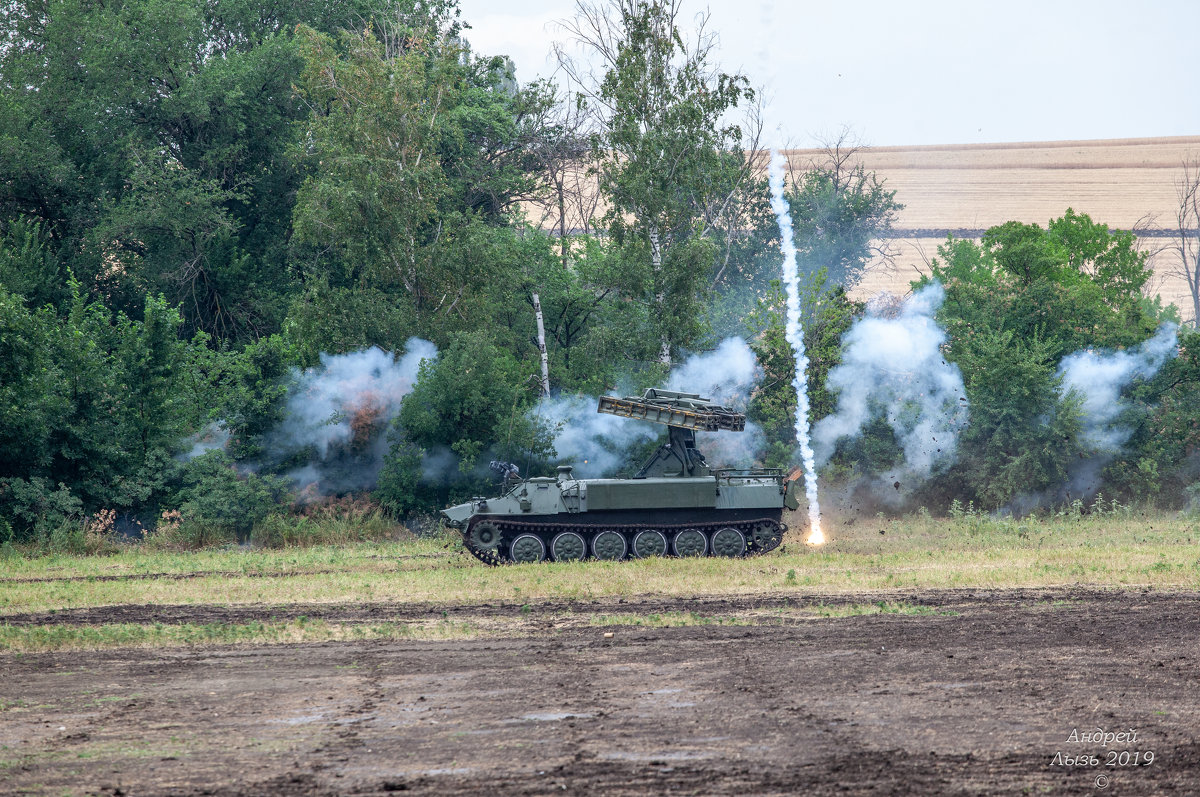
pixel 916 553
pixel 43 638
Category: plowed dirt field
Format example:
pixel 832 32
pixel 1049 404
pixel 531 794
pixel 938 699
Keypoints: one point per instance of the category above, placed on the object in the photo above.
pixel 938 692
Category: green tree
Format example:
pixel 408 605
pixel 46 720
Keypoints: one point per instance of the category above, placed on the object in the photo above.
pixel 470 400
pixel 28 265
pixel 1023 433
pixel 254 389
pixel 151 139
pixel 416 154
pixel 218 504
pixel 670 164
pixel 31 397
pixel 1016 304
pixel 842 214
pixel 372 197
pixel 827 313
pixel 842 217
pixel 1072 285
pixel 96 401
pixel 1158 461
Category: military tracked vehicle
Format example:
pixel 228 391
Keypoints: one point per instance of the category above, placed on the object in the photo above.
pixel 676 505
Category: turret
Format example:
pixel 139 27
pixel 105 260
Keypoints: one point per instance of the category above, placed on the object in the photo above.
pixel 683 414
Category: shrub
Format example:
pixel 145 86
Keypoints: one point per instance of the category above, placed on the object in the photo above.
pixel 218 504
pixel 31 509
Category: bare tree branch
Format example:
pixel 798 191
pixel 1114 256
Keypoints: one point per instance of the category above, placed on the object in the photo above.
pixel 1187 240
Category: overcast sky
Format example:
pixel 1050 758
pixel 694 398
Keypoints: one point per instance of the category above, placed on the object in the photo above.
pixel 927 71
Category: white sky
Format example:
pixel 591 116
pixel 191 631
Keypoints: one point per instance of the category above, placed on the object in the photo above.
pixel 927 71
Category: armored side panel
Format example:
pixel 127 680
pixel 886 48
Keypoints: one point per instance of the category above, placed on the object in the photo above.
pixel 651 494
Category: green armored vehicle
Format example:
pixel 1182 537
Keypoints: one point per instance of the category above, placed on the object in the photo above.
pixel 675 506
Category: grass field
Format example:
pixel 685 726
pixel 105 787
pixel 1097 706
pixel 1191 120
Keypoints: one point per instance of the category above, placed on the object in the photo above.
pixel 1122 549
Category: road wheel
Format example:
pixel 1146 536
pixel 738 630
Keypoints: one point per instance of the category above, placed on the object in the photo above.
pixel 690 542
pixel 527 549
pixel 728 542
pixel 568 547
pixel 766 536
pixel 610 545
pixel 484 535
pixel 649 542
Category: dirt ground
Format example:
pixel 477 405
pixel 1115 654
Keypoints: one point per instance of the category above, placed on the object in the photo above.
pixel 974 692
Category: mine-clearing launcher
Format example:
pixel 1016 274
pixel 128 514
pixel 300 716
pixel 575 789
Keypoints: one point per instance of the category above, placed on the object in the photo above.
pixel 676 505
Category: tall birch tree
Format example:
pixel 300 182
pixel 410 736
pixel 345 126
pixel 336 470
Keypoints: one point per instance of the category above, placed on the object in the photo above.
pixel 671 163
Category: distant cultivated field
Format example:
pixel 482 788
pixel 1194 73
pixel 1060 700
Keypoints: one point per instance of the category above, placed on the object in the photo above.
pixel 1125 183
pixel 964 189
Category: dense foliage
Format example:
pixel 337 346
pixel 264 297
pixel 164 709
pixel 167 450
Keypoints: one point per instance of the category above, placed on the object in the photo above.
pixel 199 200
pixel 1017 303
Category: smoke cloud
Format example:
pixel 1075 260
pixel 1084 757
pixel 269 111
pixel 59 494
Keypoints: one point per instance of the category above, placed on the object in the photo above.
pixel 599 444
pixel 1098 377
pixel 595 444
pixel 336 419
pixel 212 437
pixel 340 411
pixel 893 368
pixel 727 375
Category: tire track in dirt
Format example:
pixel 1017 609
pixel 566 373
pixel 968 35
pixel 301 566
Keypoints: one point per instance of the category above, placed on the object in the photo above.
pixel 711 605
pixel 973 701
pixel 214 573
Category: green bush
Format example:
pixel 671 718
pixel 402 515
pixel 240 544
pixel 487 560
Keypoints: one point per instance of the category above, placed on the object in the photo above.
pixel 401 487
pixel 218 504
pixel 32 509
pixel 194 534
pixel 468 406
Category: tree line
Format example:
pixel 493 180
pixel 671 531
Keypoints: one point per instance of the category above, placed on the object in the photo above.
pixel 197 200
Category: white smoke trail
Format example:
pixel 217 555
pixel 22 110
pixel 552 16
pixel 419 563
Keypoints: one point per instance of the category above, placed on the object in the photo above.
pixel 794 332
pixel 893 367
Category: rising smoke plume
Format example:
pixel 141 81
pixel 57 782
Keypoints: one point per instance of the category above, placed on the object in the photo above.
pixel 599 444
pixel 1098 377
pixel 893 368
pixel 340 411
pixel 794 332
